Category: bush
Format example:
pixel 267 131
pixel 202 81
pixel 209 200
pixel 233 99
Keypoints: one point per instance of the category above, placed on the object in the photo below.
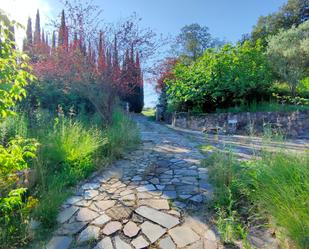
pixel 225 77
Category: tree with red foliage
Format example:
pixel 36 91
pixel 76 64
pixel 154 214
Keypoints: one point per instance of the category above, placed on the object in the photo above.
pixel 95 72
pixel 164 72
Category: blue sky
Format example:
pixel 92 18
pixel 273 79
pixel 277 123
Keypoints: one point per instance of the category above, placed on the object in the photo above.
pixel 226 19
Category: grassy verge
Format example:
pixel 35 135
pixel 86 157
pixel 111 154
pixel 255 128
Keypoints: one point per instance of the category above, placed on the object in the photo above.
pixel 70 150
pixel 265 107
pixel 270 191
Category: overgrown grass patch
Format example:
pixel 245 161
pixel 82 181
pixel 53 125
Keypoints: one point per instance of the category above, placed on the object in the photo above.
pixel 270 191
pixel 70 150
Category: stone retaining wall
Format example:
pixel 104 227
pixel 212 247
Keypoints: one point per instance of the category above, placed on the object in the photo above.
pixel 292 124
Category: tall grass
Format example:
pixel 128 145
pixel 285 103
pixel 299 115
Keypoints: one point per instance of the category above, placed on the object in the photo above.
pixel 282 184
pixel 72 150
pixel 273 188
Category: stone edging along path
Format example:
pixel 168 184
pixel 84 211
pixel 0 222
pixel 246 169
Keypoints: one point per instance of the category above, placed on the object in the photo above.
pixel 142 200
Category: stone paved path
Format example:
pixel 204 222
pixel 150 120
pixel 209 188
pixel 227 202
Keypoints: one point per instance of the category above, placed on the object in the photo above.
pixel 244 147
pixel 143 200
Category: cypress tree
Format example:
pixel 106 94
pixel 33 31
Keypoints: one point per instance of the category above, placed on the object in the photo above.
pixel 37 30
pixel 53 40
pixel 43 37
pixel 101 54
pixel 139 85
pixel 63 36
pixel 28 40
pixel 116 67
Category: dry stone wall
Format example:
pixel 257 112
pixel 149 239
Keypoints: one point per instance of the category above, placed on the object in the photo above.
pixel 292 124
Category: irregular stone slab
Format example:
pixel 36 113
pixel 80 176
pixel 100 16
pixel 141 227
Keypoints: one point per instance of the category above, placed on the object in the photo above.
pixel 137 178
pixel 105 243
pixel 89 233
pixel 148 187
pixel 160 186
pixel 155 203
pixel 89 194
pixel 66 214
pixel 120 244
pixel 210 244
pixel 140 242
pixel 174 212
pixel 131 229
pixel 144 195
pixel 169 194
pixel 126 192
pixel 167 243
pixel 152 231
pixel 158 217
pixel 210 235
pixel 73 200
pixel 59 242
pixel 89 186
pixel 183 236
pixel 85 214
pixel 101 220
pixel 119 213
pixel 112 227
pixel 197 198
pixel 130 197
pixel 184 196
pixel 104 205
pixel 83 203
pixel 71 228
pixel 154 180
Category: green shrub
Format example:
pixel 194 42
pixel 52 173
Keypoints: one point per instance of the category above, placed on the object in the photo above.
pixel 220 78
pixel 15 206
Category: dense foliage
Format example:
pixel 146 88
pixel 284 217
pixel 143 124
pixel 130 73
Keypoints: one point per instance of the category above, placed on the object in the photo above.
pixel 221 77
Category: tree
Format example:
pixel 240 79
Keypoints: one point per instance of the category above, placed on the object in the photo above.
pixel 288 52
pixel 294 12
pixel 63 35
pixel 27 45
pixel 37 30
pixel 193 40
pixel 229 76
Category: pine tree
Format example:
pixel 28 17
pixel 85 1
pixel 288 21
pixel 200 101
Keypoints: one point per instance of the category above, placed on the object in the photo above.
pixel 37 31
